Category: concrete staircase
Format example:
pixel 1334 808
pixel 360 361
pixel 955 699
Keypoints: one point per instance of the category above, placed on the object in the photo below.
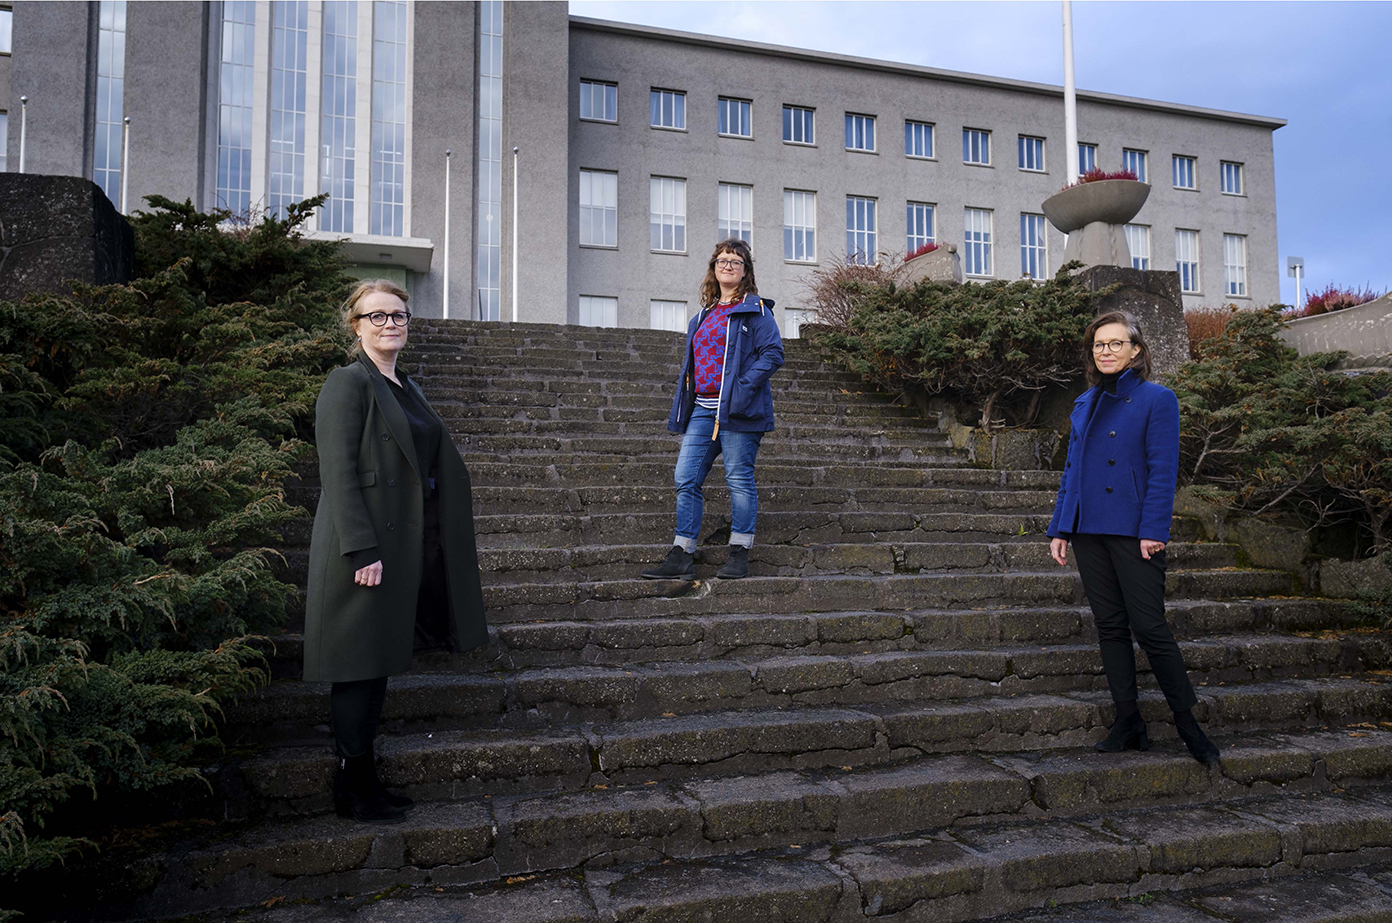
pixel 892 718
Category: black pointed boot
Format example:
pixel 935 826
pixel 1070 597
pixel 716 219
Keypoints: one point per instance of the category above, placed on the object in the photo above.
pixel 356 795
pixel 399 802
pixel 737 565
pixel 1128 733
pixel 678 565
pixel 1200 747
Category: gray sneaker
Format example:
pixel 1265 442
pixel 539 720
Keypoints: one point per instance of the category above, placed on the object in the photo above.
pixel 678 565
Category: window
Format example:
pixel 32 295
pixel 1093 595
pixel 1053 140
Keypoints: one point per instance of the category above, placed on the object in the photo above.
pixel 918 139
pixel 920 225
pixel 798 125
pixel 4 140
pixel 1235 265
pixel 489 253
pixel 1087 158
pixel 599 102
pixel 1183 168
pixel 667 214
pixel 793 319
pixel 599 209
pixel 799 226
pixel 289 83
pixel 667 109
pixel 666 315
pixel 977 241
pixel 734 117
pixel 6 23
pixel 860 132
pixel 387 207
pixel 234 106
pixel 861 235
pixel 1031 153
pixel 734 212
pixel 1186 245
pixel 599 312
pixel 1231 174
pixel 1138 242
pixel 337 115
pixel 976 146
pixel 1034 247
pixel 1137 162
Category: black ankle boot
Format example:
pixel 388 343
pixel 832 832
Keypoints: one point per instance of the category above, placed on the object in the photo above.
pixel 678 565
pixel 399 802
pixel 737 565
pixel 1200 747
pixel 356 794
pixel 1128 733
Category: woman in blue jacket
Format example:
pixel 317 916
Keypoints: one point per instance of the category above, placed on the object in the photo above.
pixel 1114 504
pixel 723 405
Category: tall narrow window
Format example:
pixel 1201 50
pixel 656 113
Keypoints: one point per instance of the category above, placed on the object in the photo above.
pixel 734 212
pixel 1138 242
pixel 1087 158
pixel 918 139
pixel 1031 154
pixel 489 259
pixel 1183 169
pixel 235 96
pixel 860 132
pixel 667 109
pixel 921 226
pixel 733 117
pixel 599 102
pixel 977 243
pixel 6 27
pixel 976 146
pixel 1231 178
pixel 862 234
pixel 667 315
pixel 1138 162
pixel 1034 247
pixel 793 321
pixel 111 80
pixel 798 125
pixel 1235 265
pixel 338 120
pixel 388 215
pixel 599 312
pixel 799 226
pixel 4 140
pixel 599 209
pixel 667 213
pixel 1186 245
pixel 289 82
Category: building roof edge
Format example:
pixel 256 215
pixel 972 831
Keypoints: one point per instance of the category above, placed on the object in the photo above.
pixel 827 57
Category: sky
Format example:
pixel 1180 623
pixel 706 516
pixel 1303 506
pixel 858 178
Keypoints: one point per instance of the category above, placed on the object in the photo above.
pixel 1322 66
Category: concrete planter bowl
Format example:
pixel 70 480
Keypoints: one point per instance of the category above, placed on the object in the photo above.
pixel 1110 201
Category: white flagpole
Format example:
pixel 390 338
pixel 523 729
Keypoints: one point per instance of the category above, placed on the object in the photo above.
pixel 23 128
pixel 514 235
pixel 447 233
pixel 1070 96
pixel 125 162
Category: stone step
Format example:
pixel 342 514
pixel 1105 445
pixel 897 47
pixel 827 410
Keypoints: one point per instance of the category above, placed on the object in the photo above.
pixel 938 833
pixel 557 696
pixel 656 409
pixel 925 449
pixel 454 762
pixel 880 434
pixel 638 598
pixel 465 373
pixel 659 474
pixel 660 453
pixel 575 392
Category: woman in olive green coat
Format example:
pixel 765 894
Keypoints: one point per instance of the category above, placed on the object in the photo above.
pixel 393 564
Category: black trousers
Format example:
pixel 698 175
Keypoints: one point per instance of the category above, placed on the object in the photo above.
pixel 1127 595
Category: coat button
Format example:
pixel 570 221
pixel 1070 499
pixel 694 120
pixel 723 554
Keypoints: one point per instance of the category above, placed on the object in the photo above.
pixel 385 437
pixel 391 526
pixel 1128 400
pixel 1111 461
pixel 1112 434
pixel 391 482
pixel 1109 490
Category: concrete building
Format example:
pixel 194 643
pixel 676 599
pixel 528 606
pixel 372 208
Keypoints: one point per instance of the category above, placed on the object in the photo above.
pixel 632 150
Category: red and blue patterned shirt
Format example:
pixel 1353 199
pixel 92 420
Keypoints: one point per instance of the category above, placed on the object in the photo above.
pixel 708 348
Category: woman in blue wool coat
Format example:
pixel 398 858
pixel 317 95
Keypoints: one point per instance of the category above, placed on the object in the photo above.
pixel 1114 505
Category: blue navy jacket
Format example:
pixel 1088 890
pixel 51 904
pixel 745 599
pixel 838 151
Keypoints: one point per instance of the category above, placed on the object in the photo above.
pixel 1123 460
pixel 753 352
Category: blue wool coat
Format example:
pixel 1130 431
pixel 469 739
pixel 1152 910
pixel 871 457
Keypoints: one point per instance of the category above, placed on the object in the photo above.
pixel 753 352
pixel 1123 458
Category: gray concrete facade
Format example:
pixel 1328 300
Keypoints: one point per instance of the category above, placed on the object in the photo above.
pixel 172 86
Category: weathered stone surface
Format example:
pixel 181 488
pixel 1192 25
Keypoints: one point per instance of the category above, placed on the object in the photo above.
pixel 1037 858
pixel 1194 839
pixel 1346 579
pixel 59 228
pixel 896 875
pixel 757 891
pixel 921 797
pixel 765 806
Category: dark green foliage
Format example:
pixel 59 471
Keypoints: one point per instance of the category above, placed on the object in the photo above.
pixel 146 432
pixel 995 345
pixel 1273 431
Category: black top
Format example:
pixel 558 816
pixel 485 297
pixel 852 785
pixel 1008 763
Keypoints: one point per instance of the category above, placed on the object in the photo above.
pixel 1109 381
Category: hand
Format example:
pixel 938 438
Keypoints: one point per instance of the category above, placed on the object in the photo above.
pixel 371 575
pixel 1149 547
pixel 1058 549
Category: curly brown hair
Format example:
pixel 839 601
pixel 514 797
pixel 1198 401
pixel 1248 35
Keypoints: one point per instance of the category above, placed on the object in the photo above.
pixel 710 286
pixel 1140 363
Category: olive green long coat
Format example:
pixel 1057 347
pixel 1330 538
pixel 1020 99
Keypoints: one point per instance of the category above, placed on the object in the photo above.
pixel 372 497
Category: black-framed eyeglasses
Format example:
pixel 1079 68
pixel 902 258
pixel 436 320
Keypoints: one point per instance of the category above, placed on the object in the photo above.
pixel 379 318
pixel 729 264
pixel 1111 346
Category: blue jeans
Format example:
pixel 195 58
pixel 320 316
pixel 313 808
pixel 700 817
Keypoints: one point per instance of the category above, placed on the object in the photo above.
pixel 698 452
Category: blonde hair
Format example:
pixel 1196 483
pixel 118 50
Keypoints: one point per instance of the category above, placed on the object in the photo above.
pixel 360 291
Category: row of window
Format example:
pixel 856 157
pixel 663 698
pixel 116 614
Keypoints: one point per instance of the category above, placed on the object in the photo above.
pixel 603 311
pixel 667 110
pixel 599 227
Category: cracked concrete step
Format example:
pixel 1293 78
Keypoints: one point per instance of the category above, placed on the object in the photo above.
pixel 655 410
pixel 824 434
pixel 937 835
pixel 927 448
pixel 638 598
pixel 451 763
pixel 557 696
pixel 575 393
pixel 772 455
pixel 659 474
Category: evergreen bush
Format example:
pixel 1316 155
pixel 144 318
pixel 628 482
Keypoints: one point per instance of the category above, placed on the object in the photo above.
pixel 146 433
